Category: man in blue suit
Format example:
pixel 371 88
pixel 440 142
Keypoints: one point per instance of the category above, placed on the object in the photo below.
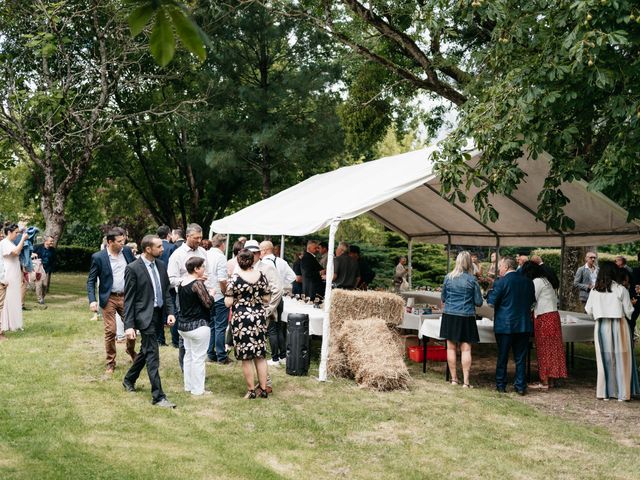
pixel 512 297
pixel 108 267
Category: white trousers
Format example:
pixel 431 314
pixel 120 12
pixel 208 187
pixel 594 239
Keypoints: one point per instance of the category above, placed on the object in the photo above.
pixel 196 344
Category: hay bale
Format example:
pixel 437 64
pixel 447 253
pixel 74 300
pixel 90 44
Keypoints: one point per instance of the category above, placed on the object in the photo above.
pixel 374 354
pixel 337 363
pixel 357 305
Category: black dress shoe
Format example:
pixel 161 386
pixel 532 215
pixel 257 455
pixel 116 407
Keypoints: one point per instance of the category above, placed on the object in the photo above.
pixel 128 387
pixel 522 393
pixel 501 390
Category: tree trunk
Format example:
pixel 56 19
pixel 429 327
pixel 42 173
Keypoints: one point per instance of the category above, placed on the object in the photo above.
pixel 53 212
pixel 266 173
pixel 573 259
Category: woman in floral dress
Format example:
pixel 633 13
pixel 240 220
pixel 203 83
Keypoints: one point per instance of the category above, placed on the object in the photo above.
pixel 247 293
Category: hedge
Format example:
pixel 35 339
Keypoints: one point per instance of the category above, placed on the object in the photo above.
pixel 73 258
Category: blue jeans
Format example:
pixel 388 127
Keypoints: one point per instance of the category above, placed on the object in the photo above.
pixel 218 324
pixel 519 342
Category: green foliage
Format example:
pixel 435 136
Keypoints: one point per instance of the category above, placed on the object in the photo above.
pixel 167 16
pixel 73 258
pixel 82 235
pixel 560 77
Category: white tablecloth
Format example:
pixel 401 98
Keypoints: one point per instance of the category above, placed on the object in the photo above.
pixel 315 314
pixel 414 321
pixel 576 327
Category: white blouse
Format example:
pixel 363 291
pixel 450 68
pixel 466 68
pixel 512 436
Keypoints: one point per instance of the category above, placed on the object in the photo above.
pixel 613 304
pixel 546 298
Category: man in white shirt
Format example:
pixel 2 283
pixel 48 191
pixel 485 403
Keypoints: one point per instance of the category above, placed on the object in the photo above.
pixel 217 279
pixel 277 329
pixel 177 269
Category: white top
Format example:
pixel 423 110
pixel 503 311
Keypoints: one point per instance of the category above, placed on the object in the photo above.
pixel 2 271
pixel 176 269
pixel 216 271
pixel 546 298
pixel 613 304
pixel 118 264
pixel 287 275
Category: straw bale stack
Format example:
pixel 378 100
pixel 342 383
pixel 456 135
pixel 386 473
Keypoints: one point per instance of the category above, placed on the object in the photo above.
pixel 338 363
pixel 374 354
pixel 355 305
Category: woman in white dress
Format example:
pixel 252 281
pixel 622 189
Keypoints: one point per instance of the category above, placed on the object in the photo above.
pixel 11 316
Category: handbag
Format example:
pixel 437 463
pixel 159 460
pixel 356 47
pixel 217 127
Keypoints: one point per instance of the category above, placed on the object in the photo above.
pixel 228 336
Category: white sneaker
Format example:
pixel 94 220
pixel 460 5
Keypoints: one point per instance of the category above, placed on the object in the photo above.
pixel 283 362
pixel 271 363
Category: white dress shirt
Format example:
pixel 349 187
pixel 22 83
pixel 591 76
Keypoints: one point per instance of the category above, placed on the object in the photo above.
pixel 287 275
pixel 177 269
pixel 153 273
pixel 118 264
pixel 216 271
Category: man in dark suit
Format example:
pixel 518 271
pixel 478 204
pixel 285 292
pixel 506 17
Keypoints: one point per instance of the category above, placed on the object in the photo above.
pixel 146 300
pixel 108 266
pixel 512 297
pixel 167 249
pixel 311 269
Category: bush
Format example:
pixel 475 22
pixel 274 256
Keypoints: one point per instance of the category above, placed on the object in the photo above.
pixel 73 258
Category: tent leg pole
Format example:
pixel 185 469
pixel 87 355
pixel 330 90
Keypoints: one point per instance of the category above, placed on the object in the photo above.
pixel 281 246
pixel 226 247
pixel 410 262
pixel 326 327
pixel 448 252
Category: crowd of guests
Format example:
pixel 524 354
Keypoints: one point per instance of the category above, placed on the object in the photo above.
pixel 211 304
pixel 22 263
pixel 523 294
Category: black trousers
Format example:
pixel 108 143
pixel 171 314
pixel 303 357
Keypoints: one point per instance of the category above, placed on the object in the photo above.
pixel 277 331
pixel 150 356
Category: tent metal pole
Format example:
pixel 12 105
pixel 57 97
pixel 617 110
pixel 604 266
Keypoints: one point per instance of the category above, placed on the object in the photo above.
pixel 226 246
pixel 563 248
pixel 410 262
pixel 326 327
pixel 448 252
pixel 281 246
pixel 251 237
pixel 497 255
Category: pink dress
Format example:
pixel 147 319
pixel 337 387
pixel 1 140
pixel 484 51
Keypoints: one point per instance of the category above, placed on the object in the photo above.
pixel 11 316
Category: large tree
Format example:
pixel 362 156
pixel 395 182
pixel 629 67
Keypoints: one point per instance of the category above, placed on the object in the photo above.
pixel 61 64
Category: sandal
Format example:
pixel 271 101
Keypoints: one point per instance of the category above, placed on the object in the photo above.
pixel 466 385
pixel 454 381
pixel 251 394
pixel 262 392
pixel 539 386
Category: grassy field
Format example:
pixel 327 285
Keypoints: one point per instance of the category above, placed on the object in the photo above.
pixel 61 419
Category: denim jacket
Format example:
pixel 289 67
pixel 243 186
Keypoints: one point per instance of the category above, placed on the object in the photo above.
pixel 461 295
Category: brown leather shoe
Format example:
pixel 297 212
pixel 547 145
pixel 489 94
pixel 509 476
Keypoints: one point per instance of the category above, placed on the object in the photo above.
pixel 109 370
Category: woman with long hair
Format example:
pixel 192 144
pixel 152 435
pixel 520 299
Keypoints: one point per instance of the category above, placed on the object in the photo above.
pixel 609 304
pixel 11 315
pixel 248 293
pixel 460 296
pixel 547 328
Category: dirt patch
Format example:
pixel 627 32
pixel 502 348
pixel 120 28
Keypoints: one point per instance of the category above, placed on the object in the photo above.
pixel 574 400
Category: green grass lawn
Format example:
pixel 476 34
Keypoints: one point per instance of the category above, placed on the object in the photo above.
pixel 60 418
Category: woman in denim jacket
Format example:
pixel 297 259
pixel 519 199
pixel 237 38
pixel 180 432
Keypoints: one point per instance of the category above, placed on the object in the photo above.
pixel 460 296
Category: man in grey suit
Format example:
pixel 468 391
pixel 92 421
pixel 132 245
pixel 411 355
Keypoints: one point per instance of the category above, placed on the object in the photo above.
pixel 146 302
pixel 586 276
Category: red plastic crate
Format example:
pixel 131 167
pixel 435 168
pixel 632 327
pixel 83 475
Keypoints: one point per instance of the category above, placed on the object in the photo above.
pixel 435 353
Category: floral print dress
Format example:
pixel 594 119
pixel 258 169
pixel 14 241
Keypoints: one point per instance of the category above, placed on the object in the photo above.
pixel 248 320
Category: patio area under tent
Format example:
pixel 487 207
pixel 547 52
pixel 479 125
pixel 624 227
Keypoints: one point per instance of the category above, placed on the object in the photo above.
pixel 403 193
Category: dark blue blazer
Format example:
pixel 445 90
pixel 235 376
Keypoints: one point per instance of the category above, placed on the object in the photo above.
pixel 512 297
pixel 101 269
pixel 167 250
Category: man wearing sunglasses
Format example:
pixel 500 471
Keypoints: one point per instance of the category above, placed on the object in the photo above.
pixel 586 275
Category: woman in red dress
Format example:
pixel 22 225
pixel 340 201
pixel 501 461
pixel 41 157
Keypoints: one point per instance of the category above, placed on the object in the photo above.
pixel 547 329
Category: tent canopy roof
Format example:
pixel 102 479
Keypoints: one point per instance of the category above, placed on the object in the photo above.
pixel 402 192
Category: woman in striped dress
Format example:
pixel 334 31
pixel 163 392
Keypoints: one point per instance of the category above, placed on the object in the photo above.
pixel 608 304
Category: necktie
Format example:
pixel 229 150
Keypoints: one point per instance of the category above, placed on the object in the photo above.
pixel 156 282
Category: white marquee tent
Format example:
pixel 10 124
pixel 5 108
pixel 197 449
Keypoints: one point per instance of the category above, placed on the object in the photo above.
pixel 402 192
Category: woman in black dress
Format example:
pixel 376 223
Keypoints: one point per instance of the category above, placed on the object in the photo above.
pixel 248 293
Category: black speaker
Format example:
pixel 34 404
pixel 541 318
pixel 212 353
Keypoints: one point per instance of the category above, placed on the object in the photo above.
pixel 298 355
